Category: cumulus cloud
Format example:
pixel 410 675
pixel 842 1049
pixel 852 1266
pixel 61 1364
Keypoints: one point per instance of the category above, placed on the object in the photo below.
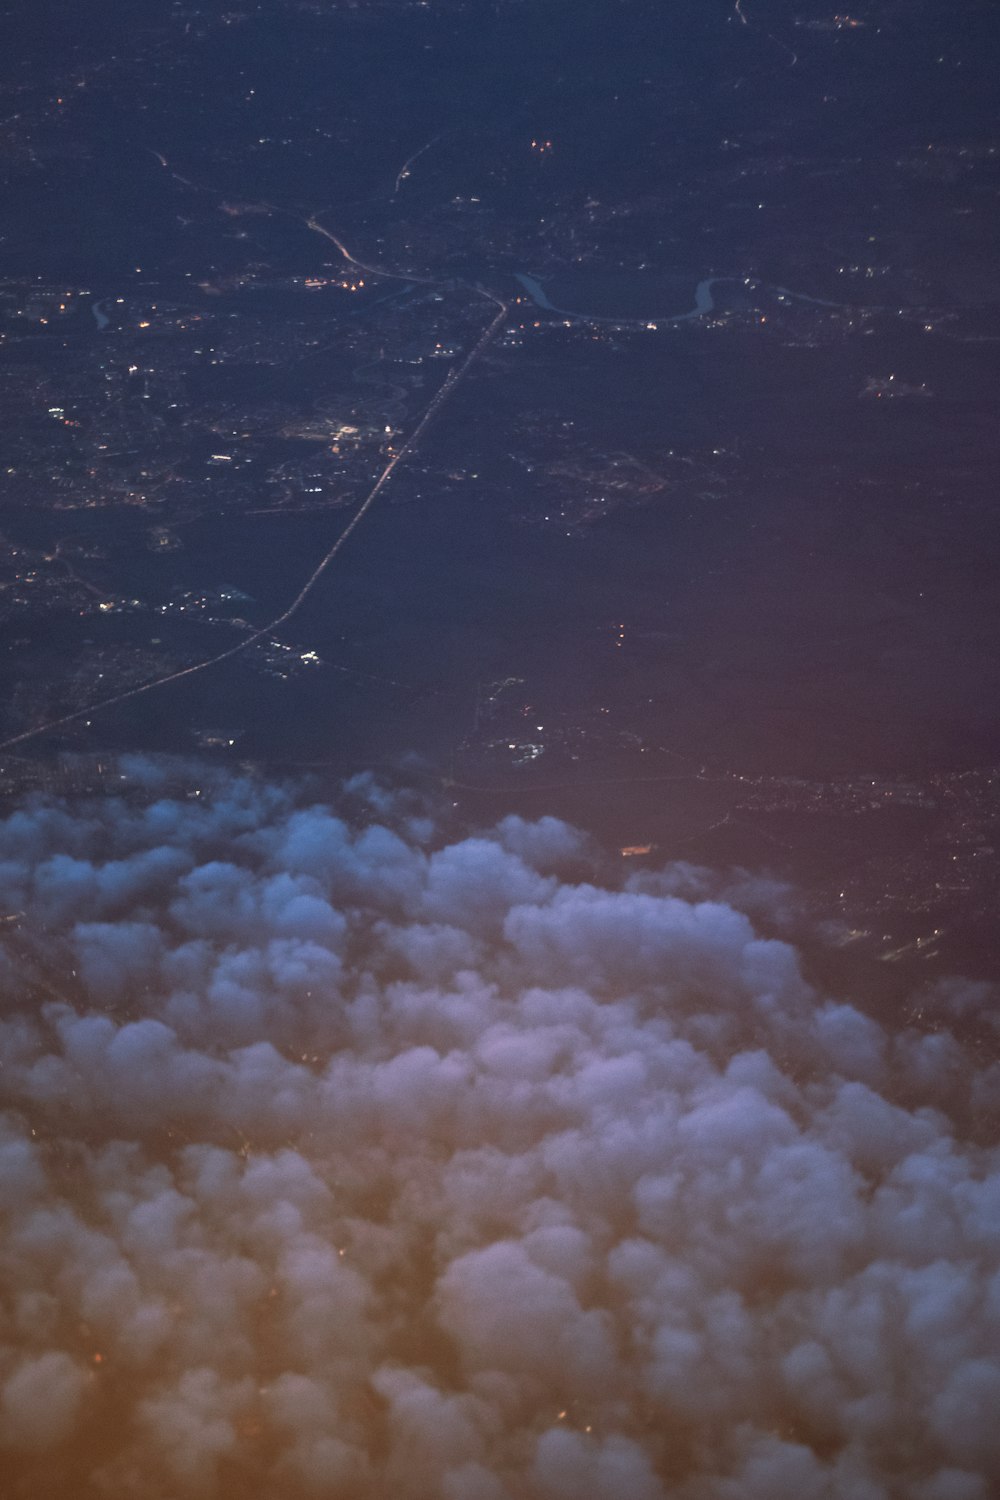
pixel 341 1159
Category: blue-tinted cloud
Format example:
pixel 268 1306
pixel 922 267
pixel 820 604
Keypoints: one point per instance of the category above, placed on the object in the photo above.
pixel 337 1161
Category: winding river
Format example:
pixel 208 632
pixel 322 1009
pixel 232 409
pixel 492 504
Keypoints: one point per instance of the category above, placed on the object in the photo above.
pixel 704 302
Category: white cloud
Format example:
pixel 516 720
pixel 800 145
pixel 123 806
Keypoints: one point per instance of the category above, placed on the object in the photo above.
pixel 337 1163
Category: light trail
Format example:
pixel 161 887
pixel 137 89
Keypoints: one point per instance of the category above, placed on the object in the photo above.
pixel 738 11
pixel 452 381
pixel 175 175
pixel 312 222
pixel 404 170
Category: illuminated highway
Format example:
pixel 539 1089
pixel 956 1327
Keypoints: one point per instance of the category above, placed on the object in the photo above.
pixel 447 389
pixel 404 170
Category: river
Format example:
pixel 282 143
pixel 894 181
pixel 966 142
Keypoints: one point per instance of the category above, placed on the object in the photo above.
pixel 704 302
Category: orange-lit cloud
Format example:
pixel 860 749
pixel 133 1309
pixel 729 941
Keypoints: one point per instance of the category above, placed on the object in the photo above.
pixel 341 1162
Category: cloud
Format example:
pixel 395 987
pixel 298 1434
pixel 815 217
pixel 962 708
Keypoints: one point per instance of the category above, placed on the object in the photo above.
pixel 339 1158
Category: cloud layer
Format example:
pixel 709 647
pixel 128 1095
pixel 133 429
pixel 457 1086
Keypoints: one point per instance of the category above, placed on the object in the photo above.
pixel 337 1161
